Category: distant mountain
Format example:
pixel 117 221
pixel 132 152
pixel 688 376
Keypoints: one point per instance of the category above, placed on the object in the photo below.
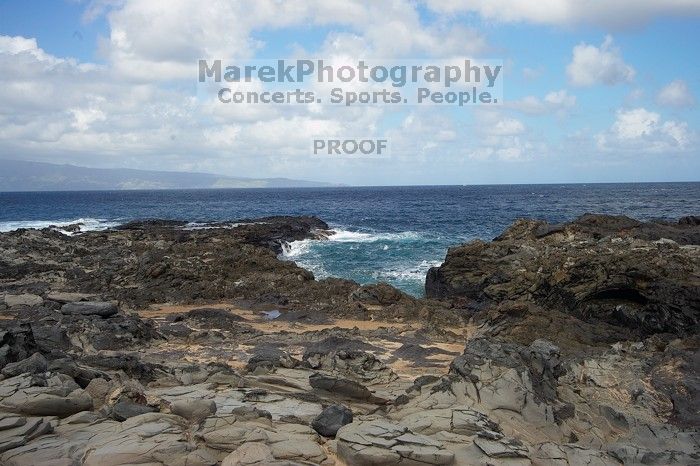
pixel 17 175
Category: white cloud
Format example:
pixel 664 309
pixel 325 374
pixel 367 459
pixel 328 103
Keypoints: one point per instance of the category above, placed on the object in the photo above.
pixel 505 127
pixel 54 109
pixel 676 94
pixel 162 39
pixel 18 44
pixel 598 65
pixel 502 137
pixel 612 14
pixel 556 102
pixel 85 117
pixel 641 130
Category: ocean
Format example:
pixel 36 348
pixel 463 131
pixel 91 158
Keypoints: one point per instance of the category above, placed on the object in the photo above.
pixel 391 234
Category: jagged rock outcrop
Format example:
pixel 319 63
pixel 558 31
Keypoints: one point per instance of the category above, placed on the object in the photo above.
pixel 644 277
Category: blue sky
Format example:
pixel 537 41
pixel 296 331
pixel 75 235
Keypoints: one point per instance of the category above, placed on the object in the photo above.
pixel 606 93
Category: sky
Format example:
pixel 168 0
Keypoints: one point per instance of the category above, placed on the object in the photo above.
pixel 593 91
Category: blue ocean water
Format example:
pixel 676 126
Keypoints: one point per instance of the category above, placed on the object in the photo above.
pixel 391 234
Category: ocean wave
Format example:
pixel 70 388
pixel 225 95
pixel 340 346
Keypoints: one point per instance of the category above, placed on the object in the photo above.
pixel 301 253
pixel 86 224
pixel 296 248
pixel 409 272
pixel 346 236
pixel 301 248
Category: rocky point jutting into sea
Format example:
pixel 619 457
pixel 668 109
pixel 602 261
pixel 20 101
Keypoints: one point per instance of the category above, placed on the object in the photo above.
pixel 158 344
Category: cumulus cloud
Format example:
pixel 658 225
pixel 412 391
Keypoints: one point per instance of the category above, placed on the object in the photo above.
pixel 617 14
pixel 676 94
pixel 57 109
pixel 161 39
pixel 134 111
pixel 503 137
pixel 641 130
pixel 592 65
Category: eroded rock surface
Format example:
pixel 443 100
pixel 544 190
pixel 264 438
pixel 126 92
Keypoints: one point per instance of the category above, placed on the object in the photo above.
pixel 158 344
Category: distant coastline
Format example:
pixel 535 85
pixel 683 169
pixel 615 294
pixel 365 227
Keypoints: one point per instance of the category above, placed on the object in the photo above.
pixel 21 176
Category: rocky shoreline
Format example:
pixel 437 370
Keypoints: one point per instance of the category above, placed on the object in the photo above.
pixel 160 343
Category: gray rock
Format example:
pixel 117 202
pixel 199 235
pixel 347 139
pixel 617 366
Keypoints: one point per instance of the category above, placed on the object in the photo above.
pixel 343 387
pixel 386 443
pixel 66 297
pixel 90 308
pixel 37 403
pixel 50 336
pixel 126 409
pixel 34 364
pixel 26 299
pixel 193 410
pixel 249 453
pixel 331 419
pixel 502 448
pixel 22 432
pixel 98 389
pixel 10 421
pixel 357 365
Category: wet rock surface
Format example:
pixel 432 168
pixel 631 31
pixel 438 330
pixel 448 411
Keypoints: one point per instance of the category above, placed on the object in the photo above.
pixel 160 344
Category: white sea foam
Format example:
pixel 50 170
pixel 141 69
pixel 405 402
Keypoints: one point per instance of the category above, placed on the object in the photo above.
pixel 86 224
pixel 309 253
pixel 301 248
pixel 213 225
pixel 345 236
pixel 410 272
pixel 296 248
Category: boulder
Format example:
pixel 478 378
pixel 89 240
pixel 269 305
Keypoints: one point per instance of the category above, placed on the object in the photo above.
pixel 123 410
pixel 193 410
pixel 248 454
pixel 34 364
pixel 41 403
pixel 26 299
pixel 331 419
pixel 340 386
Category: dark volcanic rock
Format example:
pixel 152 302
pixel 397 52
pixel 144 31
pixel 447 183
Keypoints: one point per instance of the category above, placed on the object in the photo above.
pixel 331 420
pixel 34 364
pixel 123 410
pixel 151 224
pixel 268 357
pixel 342 387
pixel 361 366
pixel 211 318
pixel 274 232
pixel 597 268
pixel 151 262
pixel 129 363
pixel 90 308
